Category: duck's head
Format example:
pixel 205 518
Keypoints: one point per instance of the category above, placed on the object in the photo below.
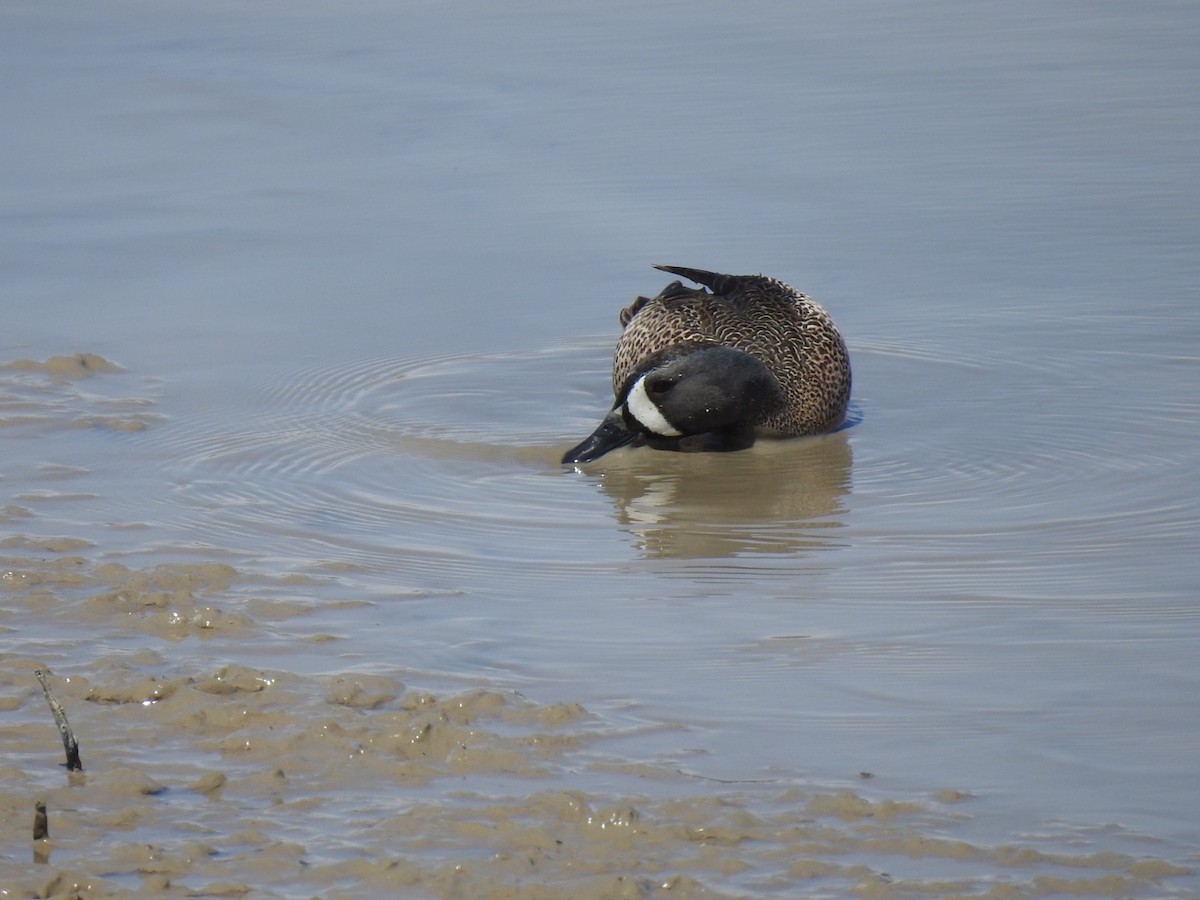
pixel 687 397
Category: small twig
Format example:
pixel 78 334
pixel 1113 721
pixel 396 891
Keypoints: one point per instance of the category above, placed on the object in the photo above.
pixel 64 727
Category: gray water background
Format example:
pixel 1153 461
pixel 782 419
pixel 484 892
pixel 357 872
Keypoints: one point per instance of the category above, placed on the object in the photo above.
pixel 363 262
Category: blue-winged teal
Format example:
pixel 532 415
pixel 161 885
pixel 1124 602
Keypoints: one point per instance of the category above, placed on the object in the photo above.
pixel 695 370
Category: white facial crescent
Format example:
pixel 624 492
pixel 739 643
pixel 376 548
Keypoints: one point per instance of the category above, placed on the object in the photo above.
pixel 640 406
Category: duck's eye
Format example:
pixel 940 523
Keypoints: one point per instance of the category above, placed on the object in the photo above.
pixel 659 386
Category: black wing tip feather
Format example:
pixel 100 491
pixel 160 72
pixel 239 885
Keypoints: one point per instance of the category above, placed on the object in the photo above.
pixel 700 276
pixel 714 281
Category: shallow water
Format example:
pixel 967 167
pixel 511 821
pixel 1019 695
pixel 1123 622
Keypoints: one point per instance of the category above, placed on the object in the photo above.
pixel 329 617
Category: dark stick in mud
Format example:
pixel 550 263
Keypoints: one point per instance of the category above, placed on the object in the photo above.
pixel 64 727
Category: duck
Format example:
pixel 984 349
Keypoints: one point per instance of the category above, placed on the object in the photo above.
pixel 712 368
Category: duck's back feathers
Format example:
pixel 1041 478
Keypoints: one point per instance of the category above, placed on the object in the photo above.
pixel 789 332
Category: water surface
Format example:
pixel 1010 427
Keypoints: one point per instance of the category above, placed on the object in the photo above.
pixel 328 614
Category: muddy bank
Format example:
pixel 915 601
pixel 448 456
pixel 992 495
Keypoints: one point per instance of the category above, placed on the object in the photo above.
pixel 238 780
pixel 247 782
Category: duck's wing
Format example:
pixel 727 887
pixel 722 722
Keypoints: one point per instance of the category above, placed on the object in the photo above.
pixel 674 293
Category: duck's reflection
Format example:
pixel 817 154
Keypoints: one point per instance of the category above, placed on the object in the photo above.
pixel 780 497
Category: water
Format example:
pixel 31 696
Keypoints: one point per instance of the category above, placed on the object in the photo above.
pixel 360 270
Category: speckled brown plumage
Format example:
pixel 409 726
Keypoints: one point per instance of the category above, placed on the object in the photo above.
pixel 793 336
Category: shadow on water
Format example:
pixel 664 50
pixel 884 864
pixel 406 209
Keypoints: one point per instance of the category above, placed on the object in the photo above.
pixel 781 497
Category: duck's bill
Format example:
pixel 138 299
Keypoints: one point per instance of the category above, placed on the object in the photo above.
pixel 611 434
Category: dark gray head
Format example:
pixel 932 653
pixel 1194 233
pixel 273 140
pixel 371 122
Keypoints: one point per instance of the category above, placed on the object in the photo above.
pixel 687 397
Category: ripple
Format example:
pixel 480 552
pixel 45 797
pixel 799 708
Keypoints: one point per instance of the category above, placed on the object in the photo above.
pixel 447 468
pixel 1016 474
pixel 966 467
pixel 447 464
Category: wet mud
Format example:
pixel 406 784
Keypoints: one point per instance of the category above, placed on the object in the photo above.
pixel 244 781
